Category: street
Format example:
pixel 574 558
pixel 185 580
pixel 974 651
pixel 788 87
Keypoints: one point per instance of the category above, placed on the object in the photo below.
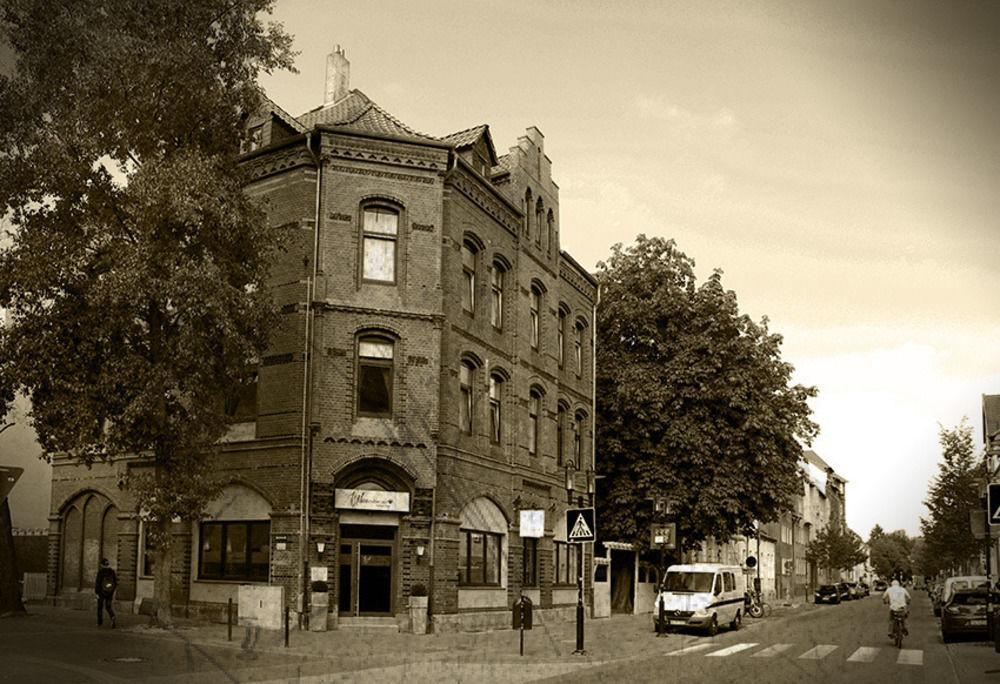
pixel 842 643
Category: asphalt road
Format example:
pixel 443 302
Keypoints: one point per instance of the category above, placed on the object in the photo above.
pixel 844 643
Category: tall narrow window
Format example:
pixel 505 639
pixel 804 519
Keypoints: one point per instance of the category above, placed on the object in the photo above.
pixel 496 415
pixel 534 404
pixel 536 303
pixel 539 221
pixel 561 338
pixel 578 349
pixel 380 233
pixel 578 440
pixel 527 213
pixel 560 437
pixel 551 222
pixel 530 578
pixel 374 376
pixel 469 277
pixel 465 372
pixel 496 296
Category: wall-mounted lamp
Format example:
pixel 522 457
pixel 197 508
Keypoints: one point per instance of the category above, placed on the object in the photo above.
pixel 320 546
pixel 420 550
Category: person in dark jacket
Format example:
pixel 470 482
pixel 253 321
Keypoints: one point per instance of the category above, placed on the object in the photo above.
pixel 104 586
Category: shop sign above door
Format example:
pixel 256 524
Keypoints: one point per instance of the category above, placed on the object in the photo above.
pixel 373 500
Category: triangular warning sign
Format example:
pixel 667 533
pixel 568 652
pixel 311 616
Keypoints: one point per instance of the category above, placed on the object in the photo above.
pixel 996 516
pixel 580 529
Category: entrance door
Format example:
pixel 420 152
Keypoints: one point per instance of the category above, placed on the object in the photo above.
pixel 367 569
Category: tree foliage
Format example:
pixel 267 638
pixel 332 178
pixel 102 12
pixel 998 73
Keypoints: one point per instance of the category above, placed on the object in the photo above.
pixel 693 401
pixel 134 270
pixel 836 548
pixel 891 553
pixel 952 495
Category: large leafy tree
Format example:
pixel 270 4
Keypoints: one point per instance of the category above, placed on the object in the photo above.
pixel 134 268
pixel 891 553
pixel 836 548
pixel 952 495
pixel 693 400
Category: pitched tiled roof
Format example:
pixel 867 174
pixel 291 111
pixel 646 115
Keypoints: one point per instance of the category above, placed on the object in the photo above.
pixel 272 106
pixel 466 137
pixel 503 165
pixel 359 113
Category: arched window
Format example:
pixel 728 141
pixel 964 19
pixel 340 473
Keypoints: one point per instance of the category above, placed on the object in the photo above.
pixel 466 373
pixel 496 295
pixel 90 533
pixel 560 434
pixel 496 408
pixel 527 212
pixel 539 222
pixel 551 223
pixel 375 376
pixel 470 252
pixel 380 232
pixel 578 427
pixel 536 308
pixel 534 409
pixel 578 346
pixel 481 544
pixel 561 336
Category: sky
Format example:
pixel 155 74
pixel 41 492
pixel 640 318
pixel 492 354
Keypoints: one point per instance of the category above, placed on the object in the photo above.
pixel 837 160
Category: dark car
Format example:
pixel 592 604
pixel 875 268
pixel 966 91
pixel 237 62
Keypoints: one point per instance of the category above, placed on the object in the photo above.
pixel 827 593
pixel 965 613
pixel 879 585
pixel 845 591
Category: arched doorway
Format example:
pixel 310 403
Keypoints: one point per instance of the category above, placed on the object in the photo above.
pixel 89 533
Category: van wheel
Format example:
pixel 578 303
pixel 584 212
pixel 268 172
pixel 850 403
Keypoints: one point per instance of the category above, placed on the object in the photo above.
pixel 713 626
pixel 737 620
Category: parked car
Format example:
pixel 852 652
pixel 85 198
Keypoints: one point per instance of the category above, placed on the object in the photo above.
pixel 703 596
pixel 827 593
pixel 880 585
pixel 865 589
pixel 965 613
pixel 953 584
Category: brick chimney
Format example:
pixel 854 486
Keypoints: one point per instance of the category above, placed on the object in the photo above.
pixel 338 76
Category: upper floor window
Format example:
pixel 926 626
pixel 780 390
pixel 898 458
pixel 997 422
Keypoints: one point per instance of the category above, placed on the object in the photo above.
pixel 578 348
pixel 534 408
pixel 496 296
pixel 469 253
pixel 536 305
pixel 254 139
pixel 539 220
pixel 496 408
pixel 578 439
pixel 561 337
pixel 465 375
pixel 560 436
pixel 375 370
pixel 527 212
pixel 379 244
pixel 551 222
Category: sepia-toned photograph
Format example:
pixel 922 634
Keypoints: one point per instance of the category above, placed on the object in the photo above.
pixel 479 341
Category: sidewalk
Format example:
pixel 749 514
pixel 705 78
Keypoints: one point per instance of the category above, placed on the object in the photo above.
pixel 347 655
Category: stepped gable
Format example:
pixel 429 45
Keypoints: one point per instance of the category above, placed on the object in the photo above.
pixel 357 112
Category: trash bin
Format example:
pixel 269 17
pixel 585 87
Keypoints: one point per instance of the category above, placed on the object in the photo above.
pixel 521 612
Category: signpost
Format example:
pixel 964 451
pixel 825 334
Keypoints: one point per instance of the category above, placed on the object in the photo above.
pixel 663 535
pixel 992 518
pixel 581 527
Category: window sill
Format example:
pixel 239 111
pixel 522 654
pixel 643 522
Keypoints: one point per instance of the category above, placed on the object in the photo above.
pixel 206 580
pixel 387 283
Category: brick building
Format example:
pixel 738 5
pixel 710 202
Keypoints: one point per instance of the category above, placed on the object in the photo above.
pixel 431 377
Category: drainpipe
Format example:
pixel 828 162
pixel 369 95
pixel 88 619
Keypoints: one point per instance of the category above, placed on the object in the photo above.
pixel 593 428
pixel 305 462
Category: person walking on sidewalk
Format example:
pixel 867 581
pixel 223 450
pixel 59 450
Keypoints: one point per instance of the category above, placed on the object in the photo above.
pixel 104 586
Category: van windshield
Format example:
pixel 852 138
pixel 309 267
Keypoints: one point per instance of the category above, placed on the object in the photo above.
pixel 688 581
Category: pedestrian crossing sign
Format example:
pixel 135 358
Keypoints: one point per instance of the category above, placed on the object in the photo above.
pixel 993 502
pixel 580 525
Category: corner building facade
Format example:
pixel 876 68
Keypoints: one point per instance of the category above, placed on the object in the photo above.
pixel 431 377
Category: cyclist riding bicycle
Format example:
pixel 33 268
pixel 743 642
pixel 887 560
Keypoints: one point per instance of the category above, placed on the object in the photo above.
pixel 898 599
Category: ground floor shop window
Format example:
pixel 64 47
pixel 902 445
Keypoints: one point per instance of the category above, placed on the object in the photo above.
pixel 566 556
pixel 234 551
pixel 479 558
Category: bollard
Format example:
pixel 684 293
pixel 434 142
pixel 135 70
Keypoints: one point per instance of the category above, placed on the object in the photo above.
pixel 286 626
pixel 229 621
pixel 661 623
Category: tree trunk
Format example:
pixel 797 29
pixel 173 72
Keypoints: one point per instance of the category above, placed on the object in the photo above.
pixel 161 572
pixel 10 594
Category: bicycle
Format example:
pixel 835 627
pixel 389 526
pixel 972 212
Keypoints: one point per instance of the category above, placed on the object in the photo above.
pixel 755 605
pixel 898 630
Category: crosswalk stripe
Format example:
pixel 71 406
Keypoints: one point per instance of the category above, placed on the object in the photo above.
pixel 821 651
pixel 730 650
pixel 865 654
pixel 910 656
pixel 772 651
pixel 684 650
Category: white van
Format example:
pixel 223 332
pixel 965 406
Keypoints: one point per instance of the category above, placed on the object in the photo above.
pixel 702 595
